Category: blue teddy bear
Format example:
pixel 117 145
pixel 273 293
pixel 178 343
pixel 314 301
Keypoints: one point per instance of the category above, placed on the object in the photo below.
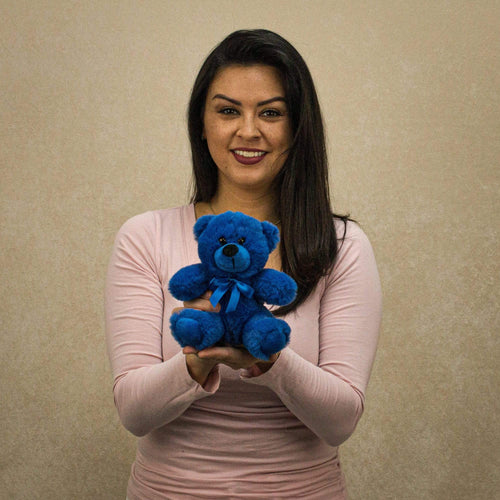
pixel 233 249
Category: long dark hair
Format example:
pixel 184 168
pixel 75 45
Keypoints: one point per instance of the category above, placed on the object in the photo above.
pixel 308 237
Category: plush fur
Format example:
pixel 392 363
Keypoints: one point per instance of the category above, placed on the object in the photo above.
pixel 233 250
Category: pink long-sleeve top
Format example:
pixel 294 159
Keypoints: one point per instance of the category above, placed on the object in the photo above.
pixel 271 436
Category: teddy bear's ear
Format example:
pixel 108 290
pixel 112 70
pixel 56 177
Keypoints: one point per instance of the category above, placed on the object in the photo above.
pixel 272 235
pixel 201 225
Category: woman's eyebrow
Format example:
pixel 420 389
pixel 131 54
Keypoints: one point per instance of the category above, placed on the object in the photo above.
pixel 238 103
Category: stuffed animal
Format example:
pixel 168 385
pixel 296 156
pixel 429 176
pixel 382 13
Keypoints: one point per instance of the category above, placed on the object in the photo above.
pixel 233 249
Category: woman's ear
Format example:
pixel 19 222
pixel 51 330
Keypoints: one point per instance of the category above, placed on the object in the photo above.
pixel 201 224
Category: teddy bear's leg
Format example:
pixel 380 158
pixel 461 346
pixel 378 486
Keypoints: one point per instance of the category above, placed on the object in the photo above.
pixel 264 335
pixel 195 328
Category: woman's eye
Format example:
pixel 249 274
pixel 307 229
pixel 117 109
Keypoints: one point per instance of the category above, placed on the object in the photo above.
pixel 241 241
pixel 222 240
pixel 272 113
pixel 228 111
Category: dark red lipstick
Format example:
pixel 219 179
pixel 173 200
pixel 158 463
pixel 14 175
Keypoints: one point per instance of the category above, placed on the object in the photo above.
pixel 248 156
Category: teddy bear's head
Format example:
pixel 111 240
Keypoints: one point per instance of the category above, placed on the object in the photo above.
pixel 233 244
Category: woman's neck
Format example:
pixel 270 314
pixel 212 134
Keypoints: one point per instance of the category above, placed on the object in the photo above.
pixel 259 206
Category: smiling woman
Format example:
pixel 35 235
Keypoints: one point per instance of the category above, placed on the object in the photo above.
pixel 219 422
pixel 246 124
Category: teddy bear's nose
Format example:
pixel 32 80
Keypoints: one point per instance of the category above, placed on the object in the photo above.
pixel 230 250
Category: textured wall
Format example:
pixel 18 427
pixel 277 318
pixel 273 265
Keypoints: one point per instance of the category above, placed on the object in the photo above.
pixel 92 131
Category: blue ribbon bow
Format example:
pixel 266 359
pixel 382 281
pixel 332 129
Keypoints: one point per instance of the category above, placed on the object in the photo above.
pixel 236 288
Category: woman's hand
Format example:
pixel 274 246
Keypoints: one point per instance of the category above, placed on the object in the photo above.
pixel 202 303
pixel 236 358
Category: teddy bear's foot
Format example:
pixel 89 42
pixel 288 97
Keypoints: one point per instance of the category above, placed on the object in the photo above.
pixel 265 335
pixel 198 329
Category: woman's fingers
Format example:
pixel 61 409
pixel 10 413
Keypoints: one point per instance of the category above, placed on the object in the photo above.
pixel 234 357
pixel 231 356
pixel 203 303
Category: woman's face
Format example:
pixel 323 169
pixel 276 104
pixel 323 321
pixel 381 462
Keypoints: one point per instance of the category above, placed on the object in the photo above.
pixel 246 125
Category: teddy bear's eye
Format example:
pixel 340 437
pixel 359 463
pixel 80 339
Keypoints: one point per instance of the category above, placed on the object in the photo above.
pixel 222 240
pixel 241 241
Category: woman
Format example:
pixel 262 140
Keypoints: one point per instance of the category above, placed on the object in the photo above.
pixel 219 423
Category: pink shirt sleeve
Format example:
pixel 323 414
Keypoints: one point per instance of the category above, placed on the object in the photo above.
pixel 148 391
pixel 329 397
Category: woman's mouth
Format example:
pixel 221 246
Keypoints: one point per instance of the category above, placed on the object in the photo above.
pixel 248 157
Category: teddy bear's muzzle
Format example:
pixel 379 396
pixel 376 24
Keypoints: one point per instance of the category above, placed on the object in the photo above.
pixel 232 258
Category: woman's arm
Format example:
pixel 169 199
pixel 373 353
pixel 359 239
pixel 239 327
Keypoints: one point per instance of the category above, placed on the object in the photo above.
pixel 148 391
pixel 329 398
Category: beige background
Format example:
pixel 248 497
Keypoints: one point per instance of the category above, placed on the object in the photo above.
pixel 92 129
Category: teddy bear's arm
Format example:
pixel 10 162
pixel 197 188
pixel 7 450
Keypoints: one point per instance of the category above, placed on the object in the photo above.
pixel 188 283
pixel 274 287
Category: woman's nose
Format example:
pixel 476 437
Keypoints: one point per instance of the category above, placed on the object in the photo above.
pixel 248 128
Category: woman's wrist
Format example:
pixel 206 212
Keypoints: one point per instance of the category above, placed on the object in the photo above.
pixel 265 366
pixel 199 369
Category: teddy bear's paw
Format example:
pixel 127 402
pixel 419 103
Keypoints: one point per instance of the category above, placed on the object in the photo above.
pixel 198 329
pixel 266 336
pixel 275 339
pixel 188 332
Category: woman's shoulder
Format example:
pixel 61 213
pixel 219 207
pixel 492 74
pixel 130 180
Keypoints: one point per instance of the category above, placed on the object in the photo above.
pixel 160 237
pixel 348 230
pixel 353 244
pixel 156 220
